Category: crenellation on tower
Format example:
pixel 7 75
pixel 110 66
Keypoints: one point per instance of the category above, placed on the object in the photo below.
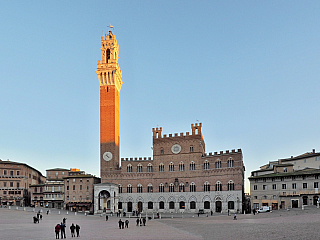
pixel 157 132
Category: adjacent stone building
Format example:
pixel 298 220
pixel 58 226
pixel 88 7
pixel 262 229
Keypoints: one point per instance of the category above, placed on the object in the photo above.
pixel 79 190
pixel 287 183
pixel 15 181
pixel 180 177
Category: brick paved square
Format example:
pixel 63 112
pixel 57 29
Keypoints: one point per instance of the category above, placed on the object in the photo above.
pixel 293 224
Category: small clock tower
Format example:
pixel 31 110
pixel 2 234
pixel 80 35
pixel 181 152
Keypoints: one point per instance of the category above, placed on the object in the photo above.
pixel 110 79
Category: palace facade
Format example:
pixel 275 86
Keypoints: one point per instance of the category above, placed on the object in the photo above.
pixel 180 177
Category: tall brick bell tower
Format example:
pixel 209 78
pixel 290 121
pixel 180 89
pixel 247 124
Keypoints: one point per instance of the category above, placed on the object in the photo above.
pixel 110 78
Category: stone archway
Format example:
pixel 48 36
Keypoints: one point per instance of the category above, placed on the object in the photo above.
pixel 104 200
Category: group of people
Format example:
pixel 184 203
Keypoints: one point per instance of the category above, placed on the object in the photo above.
pixel 36 218
pixel 141 221
pixel 124 224
pixel 61 228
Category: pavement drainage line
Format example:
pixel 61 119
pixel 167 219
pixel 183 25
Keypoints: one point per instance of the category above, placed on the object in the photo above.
pixel 180 230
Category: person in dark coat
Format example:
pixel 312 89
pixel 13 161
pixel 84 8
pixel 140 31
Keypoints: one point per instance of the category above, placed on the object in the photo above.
pixel 63 230
pixel 144 221
pixel 127 223
pixel 78 230
pixel 107 218
pixel 137 221
pixel 72 228
pixel 120 223
pixel 57 230
pixel 64 220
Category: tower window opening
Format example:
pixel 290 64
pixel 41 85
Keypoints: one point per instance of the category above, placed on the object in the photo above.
pixel 108 54
pixel 107 89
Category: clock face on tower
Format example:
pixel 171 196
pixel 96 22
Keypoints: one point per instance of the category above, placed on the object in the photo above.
pixel 107 156
pixel 176 148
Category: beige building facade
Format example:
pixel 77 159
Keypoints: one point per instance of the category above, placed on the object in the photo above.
pixel 15 181
pixel 287 183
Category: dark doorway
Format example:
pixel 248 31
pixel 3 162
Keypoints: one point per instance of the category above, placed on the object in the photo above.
pixel 129 206
pixel 218 206
pixel 274 206
pixel 140 206
pixel 305 200
pixel 315 200
pixel 283 205
pixel 295 203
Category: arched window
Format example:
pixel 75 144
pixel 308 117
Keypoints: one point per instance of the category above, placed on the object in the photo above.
pixel 206 165
pixel 108 54
pixel 161 187
pixel 129 188
pixel 230 162
pixel 192 205
pixel 171 205
pixel 149 168
pixel 206 205
pixel 161 167
pixel 139 188
pixel 150 188
pixel 181 166
pixel 192 166
pixel 161 151
pixel 218 164
pixel 171 167
pixel 231 205
pixel 181 187
pixel 161 205
pixel 129 168
pixel 150 205
pixel 171 187
pixel 218 186
pixel 192 187
pixel 139 168
pixel 206 187
pixel 230 185
pixel 182 205
pixel 120 188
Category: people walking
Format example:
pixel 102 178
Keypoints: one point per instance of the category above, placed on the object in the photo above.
pixel 127 223
pixel 107 218
pixel 57 230
pixel 137 221
pixel 72 228
pixel 64 220
pixel 78 230
pixel 144 221
pixel 122 225
pixel 63 230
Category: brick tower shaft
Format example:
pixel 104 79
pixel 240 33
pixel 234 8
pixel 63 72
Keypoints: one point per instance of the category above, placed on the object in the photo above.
pixel 110 79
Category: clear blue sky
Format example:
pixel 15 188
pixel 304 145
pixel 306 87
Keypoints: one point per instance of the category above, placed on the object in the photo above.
pixel 248 70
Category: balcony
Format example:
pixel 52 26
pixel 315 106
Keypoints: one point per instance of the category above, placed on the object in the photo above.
pixel 12 176
pixel 298 193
